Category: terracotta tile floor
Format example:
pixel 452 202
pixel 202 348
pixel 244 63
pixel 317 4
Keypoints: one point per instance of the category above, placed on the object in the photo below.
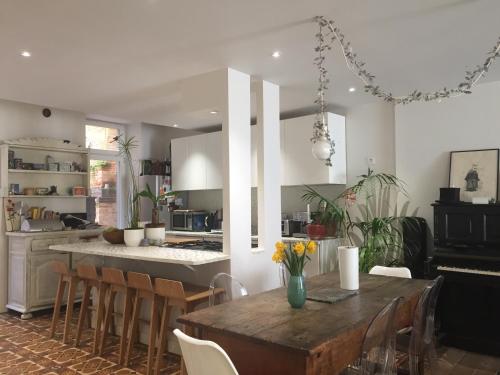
pixel 26 349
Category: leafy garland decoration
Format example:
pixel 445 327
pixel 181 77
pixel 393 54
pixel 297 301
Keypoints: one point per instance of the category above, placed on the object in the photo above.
pixel 358 67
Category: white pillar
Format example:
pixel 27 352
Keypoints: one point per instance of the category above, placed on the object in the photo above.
pixel 268 164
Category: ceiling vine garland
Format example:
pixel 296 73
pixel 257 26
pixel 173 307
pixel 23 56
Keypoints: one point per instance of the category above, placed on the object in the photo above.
pixel 323 146
pixel 356 65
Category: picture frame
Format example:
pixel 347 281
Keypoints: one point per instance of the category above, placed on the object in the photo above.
pixel 475 172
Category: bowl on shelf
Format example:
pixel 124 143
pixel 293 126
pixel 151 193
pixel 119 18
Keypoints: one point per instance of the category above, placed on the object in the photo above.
pixel 29 191
pixel 114 236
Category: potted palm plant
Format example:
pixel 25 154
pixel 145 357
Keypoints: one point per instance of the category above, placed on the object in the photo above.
pixel 155 231
pixel 133 234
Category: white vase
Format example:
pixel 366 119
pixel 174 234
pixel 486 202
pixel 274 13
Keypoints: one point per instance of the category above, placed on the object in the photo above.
pixel 349 267
pixel 133 237
pixel 155 234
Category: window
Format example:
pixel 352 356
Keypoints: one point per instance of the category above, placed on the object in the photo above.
pixel 105 172
pixel 101 137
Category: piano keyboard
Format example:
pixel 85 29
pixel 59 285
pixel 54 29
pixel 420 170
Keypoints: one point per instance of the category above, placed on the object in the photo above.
pixel 467 270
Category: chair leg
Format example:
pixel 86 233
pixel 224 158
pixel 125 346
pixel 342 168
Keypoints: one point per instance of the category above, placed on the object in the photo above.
pixel 133 328
pixel 61 286
pixel 69 308
pixel 162 341
pixel 125 324
pixel 107 320
pixel 83 312
pixel 152 335
pixel 101 291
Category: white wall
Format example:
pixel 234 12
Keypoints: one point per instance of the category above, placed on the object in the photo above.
pixel 427 132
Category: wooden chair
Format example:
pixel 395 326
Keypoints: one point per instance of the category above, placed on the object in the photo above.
pixel 143 287
pixel 176 294
pixel 115 282
pixel 204 357
pixel 66 277
pixel 88 274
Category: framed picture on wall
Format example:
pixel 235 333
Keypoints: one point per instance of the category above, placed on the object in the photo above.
pixel 475 172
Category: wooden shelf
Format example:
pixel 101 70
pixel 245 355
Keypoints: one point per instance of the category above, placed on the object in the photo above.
pixel 68 151
pixel 32 171
pixel 48 196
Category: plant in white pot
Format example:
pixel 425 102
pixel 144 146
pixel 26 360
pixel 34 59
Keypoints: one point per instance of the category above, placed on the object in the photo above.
pixel 133 234
pixel 155 231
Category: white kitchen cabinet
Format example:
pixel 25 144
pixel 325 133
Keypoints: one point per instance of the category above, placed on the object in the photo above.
pixel 43 279
pixel 197 161
pixel 299 165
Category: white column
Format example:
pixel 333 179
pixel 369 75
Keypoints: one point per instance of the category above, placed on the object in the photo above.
pixel 236 171
pixel 268 164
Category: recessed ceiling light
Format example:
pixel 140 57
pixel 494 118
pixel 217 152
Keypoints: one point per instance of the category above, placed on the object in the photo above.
pixel 176 125
pixel 213 112
pixel 276 54
pixel 352 89
pixel 26 54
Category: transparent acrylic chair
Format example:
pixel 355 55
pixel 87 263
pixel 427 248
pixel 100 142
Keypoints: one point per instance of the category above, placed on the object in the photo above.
pixel 378 355
pixel 283 274
pixel 224 288
pixel 420 347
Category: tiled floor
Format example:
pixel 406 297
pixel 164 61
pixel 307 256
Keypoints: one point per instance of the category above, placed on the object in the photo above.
pixel 26 349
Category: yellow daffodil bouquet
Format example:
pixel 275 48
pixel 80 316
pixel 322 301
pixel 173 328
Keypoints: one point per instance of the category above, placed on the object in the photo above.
pixel 294 256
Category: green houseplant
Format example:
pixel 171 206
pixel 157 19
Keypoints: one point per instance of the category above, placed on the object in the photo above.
pixel 155 230
pixel 133 234
pixel 368 217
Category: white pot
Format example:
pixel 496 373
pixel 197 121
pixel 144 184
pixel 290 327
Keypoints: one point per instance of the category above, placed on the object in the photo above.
pixel 133 237
pixel 156 234
pixel 349 267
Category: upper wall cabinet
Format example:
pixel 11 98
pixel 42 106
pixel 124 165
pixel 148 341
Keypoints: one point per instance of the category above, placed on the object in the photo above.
pixel 299 165
pixel 197 161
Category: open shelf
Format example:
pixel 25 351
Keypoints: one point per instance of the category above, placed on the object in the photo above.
pixel 52 149
pixel 32 171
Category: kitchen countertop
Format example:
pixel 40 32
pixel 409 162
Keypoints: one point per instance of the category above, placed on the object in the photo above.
pixel 79 232
pixel 147 253
pixel 220 235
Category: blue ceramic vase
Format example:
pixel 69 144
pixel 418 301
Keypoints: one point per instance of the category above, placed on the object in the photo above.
pixel 296 291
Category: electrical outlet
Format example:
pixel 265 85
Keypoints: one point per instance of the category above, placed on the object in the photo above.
pixel 371 160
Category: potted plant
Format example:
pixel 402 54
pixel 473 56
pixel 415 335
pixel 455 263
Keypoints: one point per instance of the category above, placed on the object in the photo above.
pixel 155 231
pixel 294 257
pixel 329 216
pixel 133 234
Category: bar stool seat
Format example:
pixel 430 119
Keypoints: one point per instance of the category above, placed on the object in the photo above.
pixel 184 296
pixel 87 273
pixel 115 282
pixel 66 277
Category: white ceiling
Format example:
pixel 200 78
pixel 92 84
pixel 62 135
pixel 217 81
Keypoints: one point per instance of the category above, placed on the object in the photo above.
pixel 123 59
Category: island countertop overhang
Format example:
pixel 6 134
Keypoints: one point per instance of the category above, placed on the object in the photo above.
pixel 157 254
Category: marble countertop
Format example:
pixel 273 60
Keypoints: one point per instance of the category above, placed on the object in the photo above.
pixel 146 253
pixel 77 232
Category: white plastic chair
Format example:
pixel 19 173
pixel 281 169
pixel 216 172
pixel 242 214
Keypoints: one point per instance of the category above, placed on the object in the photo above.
pixel 391 271
pixel 204 357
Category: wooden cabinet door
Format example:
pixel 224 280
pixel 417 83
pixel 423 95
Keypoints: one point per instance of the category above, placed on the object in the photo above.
pixel 17 280
pixel 43 281
pixel 213 160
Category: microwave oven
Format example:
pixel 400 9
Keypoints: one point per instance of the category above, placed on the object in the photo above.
pixel 188 220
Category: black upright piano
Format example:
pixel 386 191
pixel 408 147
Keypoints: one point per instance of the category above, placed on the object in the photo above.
pixel 467 254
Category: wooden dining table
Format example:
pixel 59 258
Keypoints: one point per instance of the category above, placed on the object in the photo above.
pixel 263 335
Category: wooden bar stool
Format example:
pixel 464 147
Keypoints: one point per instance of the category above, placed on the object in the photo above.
pixel 144 290
pixel 176 294
pixel 88 274
pixel 115 281
pixel 66 276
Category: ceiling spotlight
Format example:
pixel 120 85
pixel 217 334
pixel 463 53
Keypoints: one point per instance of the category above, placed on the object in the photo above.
pixel 352 89
pixel 213 112
pixel 26 54
pixel 176 125
pixel 276 54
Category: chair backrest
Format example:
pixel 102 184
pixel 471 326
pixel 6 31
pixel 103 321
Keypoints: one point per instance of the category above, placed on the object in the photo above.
pixel 391 271
pixel 60 267
pixel 422 335
pixel 204 357
pixel 378 354
pixel 232 289
pixel 113 276
pixel 87 271
pixel 140 281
